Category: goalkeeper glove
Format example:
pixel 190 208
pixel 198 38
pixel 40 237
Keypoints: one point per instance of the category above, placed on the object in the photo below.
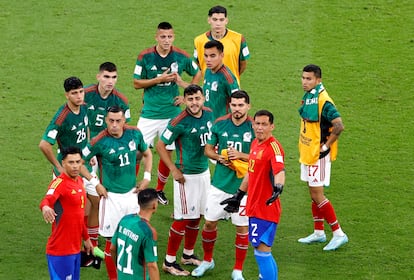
pixel 233 203
pixel 277 190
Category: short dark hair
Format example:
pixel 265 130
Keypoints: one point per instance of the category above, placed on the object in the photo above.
pixel 241 94
pixel 165 25
pixel 115 109
pixel 264 113
pixel 72 83
pixel 217 10
pixel 107 66
pixel 192 89
pixel 71 150
pixel 214 44
pixel 146 196
pixel 313 68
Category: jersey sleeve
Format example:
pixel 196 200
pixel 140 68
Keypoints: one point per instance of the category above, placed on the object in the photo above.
pixel 244 50
pixel 170 134
pixel 213 137
pixel 52 194
pixel 89 151
pixel 329 111
pixel 278 158
pixel 191 67
pixel 139 71
pixel 51 132
pixel 139 139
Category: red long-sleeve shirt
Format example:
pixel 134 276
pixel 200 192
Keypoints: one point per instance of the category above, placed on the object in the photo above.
pixel 67 197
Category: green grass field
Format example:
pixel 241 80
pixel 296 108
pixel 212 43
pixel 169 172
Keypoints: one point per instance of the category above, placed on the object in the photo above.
pixel 366 51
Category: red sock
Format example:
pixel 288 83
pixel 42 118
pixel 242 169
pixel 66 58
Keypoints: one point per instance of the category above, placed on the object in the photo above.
pixel 242 244
pixel 191 233
pixel 163 173
pixel 209 238
pixel 109 262
pixel 328 213
pixel 93 234
pixel 177 230
pixel 317 217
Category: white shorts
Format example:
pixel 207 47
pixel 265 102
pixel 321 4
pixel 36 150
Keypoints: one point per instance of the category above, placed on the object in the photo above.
pixel 113 208
pixel 151 128
pixel 190 197
pixel 319 174
pixel 214 211
pixel 90 189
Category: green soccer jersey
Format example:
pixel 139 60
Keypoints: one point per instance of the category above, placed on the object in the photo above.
pixel 190 135
pixel 117 157
pixel 158 100
pixel 97 107
pixel 67 129
pixel 225 133
pixel 136 245
pixel 217 88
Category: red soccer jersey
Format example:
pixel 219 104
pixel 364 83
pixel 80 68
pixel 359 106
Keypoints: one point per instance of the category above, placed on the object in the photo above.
pixel 67 197
pixel 265 161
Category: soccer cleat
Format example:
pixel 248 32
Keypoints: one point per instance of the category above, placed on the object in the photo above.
pixel 162 198
pixel 336 242
pixel 174 269
pixel 237 275
pixel 202 268
pixel 313 238
pixel 190 260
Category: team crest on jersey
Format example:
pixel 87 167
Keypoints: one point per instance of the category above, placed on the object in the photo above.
pixel 247 137
pixel 214 86
pixel 132 145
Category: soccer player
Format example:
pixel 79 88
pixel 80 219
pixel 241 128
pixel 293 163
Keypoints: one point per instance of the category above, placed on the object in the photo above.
pixel 190 131
pixel 236 52
pixel 320 128
pixel 63 207
pixel 219 81
pixel 116 148
pixel 69 126
pixel 99 97
pixel 134 244
pixel 264 182
pixel 233 134
pixel 158 71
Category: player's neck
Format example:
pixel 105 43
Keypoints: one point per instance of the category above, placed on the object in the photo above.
pixel 219 34
pixel 74 108
pixel 238 122
pixel 162 52
pixel 217 68
pixel 103 93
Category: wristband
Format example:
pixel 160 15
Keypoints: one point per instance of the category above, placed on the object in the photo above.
pixel 147 175
pixel 324 148
pixel 94 181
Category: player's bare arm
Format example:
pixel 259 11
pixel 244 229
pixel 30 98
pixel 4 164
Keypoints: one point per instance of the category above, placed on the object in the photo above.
pixel 243 66
pixel 164 156
pixel 337 128
pixel 47 150
pixel 147 155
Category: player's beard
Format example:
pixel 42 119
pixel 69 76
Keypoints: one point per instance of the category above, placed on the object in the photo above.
pixel 238 115
pixel 194 110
